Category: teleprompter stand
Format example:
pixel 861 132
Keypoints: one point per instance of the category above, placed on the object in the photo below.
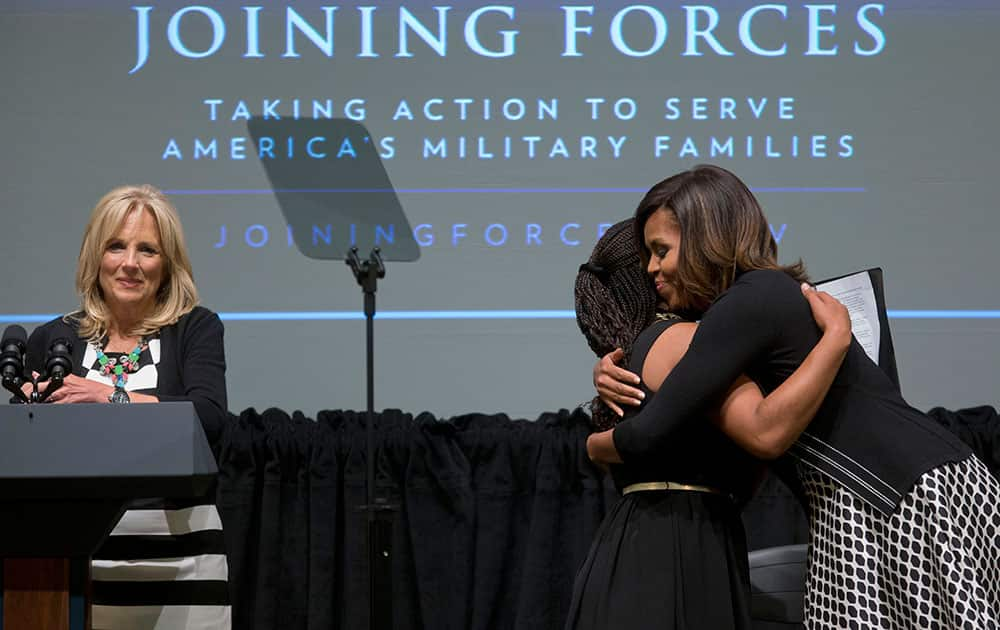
pixel 379 511
pixel 337 207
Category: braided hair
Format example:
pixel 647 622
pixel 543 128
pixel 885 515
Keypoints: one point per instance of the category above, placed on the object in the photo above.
pixel 615 300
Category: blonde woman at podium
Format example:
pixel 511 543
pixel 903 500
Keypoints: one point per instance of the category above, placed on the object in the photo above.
pixel 139 336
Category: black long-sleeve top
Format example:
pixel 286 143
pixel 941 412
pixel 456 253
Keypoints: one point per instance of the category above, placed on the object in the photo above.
pixel 192 362
pixel 864 435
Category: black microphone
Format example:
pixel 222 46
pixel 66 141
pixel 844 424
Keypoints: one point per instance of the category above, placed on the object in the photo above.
pixel 59 360
pixel 12 360
pixel 58 365
pixel 12 352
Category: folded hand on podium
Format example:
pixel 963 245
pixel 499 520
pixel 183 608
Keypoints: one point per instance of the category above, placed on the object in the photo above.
pixel 76 389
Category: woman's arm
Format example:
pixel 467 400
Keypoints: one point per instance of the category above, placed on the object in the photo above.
pixel 740 327
pixel 203 370
pixel 767 427
pixel 764 427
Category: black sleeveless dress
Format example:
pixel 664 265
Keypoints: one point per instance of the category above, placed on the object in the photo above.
pixel 671 559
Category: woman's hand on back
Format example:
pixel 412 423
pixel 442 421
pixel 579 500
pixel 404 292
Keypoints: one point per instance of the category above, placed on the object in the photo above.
pixel 616 385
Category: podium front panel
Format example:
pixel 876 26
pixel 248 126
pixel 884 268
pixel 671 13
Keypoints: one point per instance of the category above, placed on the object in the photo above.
pixel 103 451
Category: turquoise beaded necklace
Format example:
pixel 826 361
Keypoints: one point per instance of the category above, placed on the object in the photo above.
pixel 119 368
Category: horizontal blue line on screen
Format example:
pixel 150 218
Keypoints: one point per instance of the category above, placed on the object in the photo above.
pixel 950 314
pixel 268 191
pixel 275 316
pixel 409 315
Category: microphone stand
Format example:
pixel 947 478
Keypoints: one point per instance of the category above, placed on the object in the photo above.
pixel 379 512
pixel 55 382
pixel 13 385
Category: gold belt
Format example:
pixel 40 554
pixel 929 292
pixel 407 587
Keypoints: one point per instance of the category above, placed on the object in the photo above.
pixel 667 485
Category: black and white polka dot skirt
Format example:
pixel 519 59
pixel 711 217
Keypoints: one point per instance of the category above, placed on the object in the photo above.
pixel 934 564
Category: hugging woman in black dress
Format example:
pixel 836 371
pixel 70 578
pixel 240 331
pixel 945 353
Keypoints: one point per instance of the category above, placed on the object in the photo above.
pixel 672 554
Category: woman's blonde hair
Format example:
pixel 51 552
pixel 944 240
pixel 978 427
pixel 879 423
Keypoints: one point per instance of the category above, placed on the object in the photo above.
pixel 177 294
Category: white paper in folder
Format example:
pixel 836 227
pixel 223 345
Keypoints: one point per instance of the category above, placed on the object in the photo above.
pixel 858 295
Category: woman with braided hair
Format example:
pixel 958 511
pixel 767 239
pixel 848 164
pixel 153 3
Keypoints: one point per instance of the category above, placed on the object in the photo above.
pixel 672 554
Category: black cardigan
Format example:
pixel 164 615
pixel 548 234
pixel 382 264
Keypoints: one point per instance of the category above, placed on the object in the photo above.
pixel 192 362
pixel 864 435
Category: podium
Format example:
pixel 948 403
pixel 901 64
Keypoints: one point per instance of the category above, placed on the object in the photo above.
pixel 67 473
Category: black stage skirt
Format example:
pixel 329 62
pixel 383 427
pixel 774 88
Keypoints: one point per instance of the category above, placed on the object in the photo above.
pixel 665 560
